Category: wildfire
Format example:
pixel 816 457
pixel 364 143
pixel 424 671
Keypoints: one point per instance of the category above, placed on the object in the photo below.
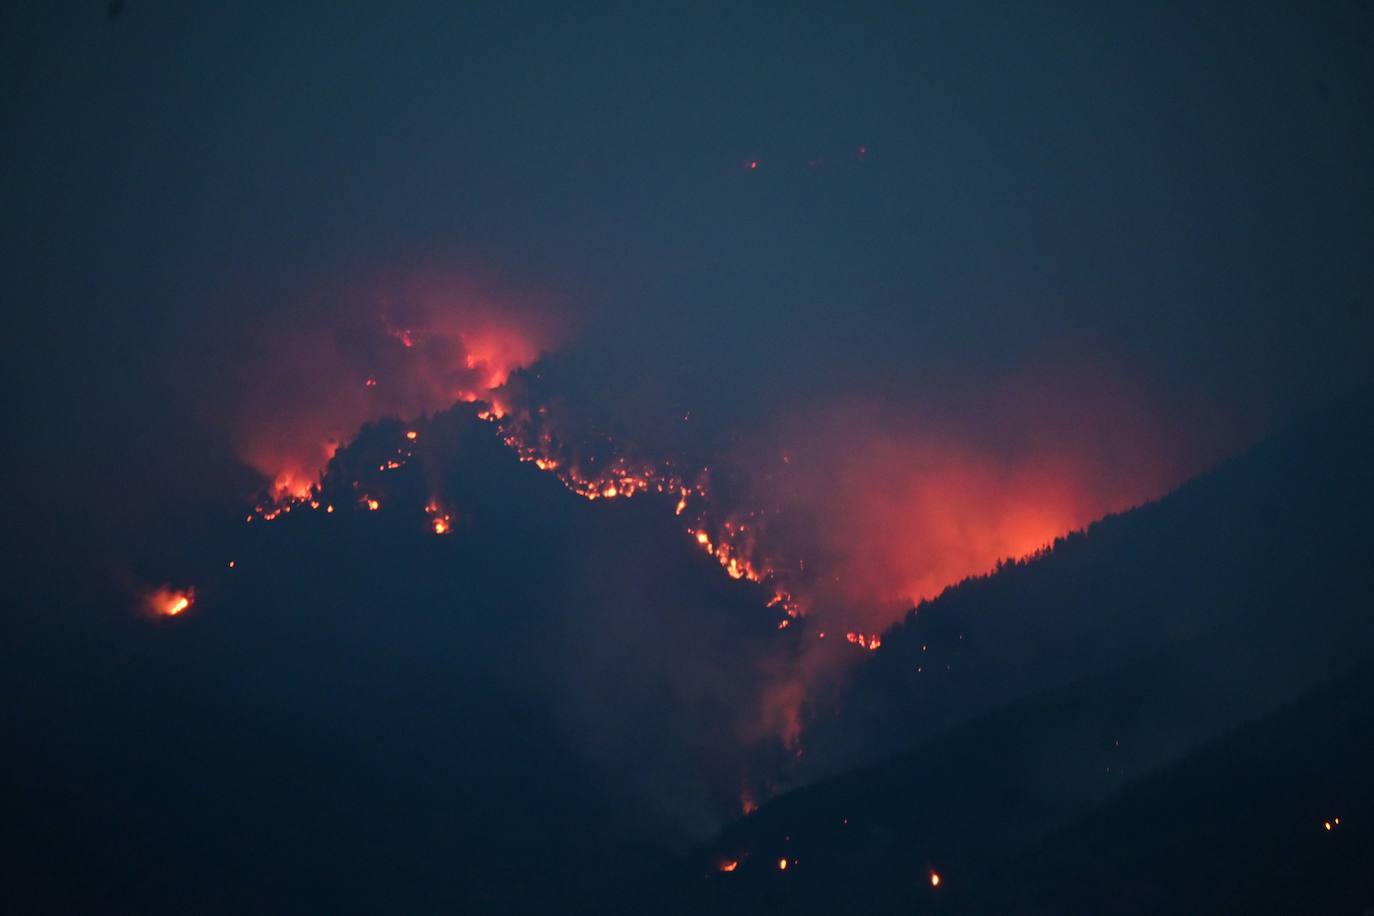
pixel 734 540
pixel 440 521
pixel 169 602
pixel 415 345
pixel 870 642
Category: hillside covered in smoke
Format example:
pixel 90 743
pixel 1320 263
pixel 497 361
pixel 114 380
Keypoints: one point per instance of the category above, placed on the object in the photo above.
pixel 353 709
pixel 445 676
pixel 1065 724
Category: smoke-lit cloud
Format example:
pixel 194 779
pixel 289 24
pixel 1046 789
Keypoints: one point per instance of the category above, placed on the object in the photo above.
pixel 307 381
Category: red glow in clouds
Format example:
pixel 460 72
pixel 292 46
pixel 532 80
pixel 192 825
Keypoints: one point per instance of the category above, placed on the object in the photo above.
pixel 401 352
pixel 868 513
pixel 847 514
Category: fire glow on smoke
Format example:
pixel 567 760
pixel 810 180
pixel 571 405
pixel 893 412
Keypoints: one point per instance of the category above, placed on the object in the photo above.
pixel 845 514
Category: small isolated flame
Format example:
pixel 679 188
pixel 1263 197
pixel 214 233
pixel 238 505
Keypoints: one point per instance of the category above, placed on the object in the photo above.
pixel 169 602
pixel 440 521
pixel 782 864
pixel 728 865
pixel 934 878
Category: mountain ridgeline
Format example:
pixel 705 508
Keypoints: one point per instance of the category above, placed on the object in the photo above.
pixel 361 714
pixel 1156 715
pixel 544 708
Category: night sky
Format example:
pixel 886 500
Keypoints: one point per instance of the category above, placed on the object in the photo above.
pixel 930 283
pixel 1179 199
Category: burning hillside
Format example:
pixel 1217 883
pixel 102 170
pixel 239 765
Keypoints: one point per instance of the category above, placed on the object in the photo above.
pixel 844 515
pixel 412 349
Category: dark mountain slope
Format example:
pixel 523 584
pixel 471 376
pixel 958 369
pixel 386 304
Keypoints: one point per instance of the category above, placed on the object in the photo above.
pixel 1225 621
pixel 1273 539
pixel 1275 818
pixel 364 716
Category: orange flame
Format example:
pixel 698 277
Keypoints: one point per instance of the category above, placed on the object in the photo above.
pixel 169 602
pixel 870 642
pixel 408 348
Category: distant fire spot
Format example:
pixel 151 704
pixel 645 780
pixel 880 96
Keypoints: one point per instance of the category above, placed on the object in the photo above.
pixel 169 602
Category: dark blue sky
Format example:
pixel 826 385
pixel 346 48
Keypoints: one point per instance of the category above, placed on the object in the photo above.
pixel 1181 199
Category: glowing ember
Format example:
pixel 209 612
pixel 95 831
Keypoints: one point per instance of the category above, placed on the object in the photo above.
pixel 372 504
pixel 728 865
pixel 412 435
pixel 731 542
pixel 869 642
pixel 934 878
pixel 169 602
pixel 782 864
pixel 442 522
